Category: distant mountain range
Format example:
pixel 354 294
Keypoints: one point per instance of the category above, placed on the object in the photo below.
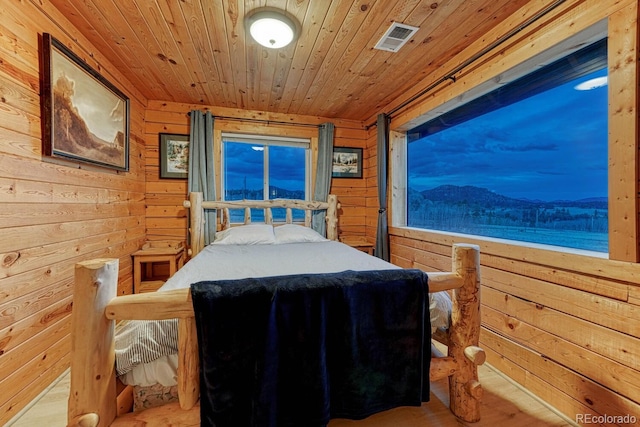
pixel 258 194
pixel 478 196
pixel 451 194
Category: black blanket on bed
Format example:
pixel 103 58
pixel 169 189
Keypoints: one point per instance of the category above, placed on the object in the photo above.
pixel 298 350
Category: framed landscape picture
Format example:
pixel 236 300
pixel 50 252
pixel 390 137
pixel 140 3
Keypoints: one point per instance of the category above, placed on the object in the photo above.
pixel 84 116
pixel 174 155
pixel 347 162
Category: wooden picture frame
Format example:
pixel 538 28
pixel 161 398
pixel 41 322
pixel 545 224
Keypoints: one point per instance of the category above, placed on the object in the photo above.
pixel 347 162
pixel 84 117
pixel 174 156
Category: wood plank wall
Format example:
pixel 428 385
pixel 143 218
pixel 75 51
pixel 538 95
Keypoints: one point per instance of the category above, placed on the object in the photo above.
pixel 564 325
pixel 166 219
pixel 52 214
pixel 581 356
pixel 372 204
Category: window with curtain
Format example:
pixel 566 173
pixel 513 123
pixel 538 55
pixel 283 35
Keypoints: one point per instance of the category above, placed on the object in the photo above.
pixel 526 161
pixel 259 167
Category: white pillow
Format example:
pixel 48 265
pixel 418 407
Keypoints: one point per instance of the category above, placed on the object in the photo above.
pixel 293 233
pixel 250 234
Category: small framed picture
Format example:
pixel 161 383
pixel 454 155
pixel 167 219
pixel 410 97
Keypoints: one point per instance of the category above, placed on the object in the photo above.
pixel 174 155
pixel 347 162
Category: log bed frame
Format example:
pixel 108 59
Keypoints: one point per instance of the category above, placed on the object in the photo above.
pixel 93 400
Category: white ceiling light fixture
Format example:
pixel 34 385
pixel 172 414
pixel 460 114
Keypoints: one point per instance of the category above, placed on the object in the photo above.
pixel 271 27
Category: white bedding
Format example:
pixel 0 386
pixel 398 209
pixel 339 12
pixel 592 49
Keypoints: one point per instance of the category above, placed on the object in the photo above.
pixel 222 261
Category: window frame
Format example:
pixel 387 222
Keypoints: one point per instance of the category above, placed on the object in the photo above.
pixel 622 246
pixel 266 141
pixel 538 94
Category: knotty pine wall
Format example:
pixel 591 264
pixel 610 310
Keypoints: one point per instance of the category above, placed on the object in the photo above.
pixel 372 204
pixel 52 214
pixel 563 324
pixel 165 216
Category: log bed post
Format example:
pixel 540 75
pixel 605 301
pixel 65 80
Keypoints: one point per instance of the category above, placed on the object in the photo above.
pixel 465 391
pixel 188 363
pixel 332 217
pixel 196 223
pixel 92 397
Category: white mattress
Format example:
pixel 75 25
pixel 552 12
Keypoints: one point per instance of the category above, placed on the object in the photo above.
pixel 219 262
pixel 224 262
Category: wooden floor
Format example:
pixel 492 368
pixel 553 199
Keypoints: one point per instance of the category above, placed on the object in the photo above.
pixel 504 404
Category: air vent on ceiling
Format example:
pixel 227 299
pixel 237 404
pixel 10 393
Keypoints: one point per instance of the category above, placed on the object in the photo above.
pixel 395 37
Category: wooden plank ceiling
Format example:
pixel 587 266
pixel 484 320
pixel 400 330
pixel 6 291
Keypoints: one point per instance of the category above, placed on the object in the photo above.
pixel 197 51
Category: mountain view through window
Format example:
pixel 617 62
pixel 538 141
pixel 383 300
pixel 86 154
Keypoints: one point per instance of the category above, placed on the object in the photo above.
pixel 533 170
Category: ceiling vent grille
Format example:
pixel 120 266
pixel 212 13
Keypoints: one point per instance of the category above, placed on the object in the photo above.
pixel 395 37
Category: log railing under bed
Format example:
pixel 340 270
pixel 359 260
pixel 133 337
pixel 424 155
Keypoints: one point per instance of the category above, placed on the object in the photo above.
pixel 93 400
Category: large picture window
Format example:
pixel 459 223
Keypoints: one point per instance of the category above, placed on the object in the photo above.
pixel 525 162
pixel 265 167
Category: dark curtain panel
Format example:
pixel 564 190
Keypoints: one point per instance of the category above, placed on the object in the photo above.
pixel 202 176
pixel 323 174
pixel 382 237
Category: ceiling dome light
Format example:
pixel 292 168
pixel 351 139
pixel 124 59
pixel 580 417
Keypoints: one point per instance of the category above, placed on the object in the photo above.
pixel 271 27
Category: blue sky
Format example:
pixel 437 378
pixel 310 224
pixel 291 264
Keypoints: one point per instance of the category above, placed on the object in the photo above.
pixel 552 146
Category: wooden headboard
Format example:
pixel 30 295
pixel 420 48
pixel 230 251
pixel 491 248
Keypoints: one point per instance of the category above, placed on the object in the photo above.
pixel 197 207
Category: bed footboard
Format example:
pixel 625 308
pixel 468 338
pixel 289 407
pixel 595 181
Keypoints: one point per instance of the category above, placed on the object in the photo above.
pixel 92 401
pixel 93 398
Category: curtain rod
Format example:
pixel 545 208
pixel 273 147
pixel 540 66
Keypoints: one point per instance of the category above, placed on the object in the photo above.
pixel 262 121
pixel 451 75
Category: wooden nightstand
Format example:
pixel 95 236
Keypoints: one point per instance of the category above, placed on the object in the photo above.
pixel 155 252
pixel 359 243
